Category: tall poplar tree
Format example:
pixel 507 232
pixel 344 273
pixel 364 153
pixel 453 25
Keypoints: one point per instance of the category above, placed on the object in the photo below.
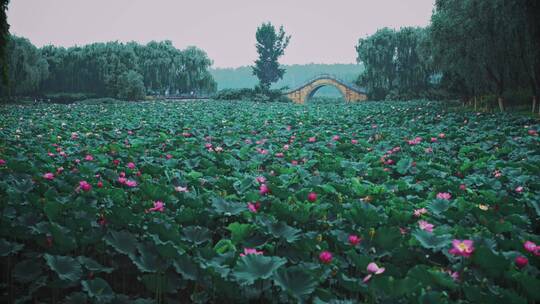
pixel 270 46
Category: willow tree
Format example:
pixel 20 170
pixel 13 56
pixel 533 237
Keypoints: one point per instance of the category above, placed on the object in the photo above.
pixel 4 36
pixel 270 46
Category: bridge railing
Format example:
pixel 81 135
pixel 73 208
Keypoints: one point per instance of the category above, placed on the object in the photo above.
pixel 329 76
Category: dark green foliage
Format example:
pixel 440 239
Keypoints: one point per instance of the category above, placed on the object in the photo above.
pixel 251 94
pixel 486 47
pixel 60 244
pixel 396 63
pixel 131 86
pixel 27 69
pixel 270 46
pixel 110 69
pixel 4 35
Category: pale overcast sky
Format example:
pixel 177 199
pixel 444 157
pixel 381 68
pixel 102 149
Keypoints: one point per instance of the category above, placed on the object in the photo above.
pixel 323 31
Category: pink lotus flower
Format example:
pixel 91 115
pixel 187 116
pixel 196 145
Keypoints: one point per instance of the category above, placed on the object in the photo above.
pixel 131 183
pixel 187 134
pixel 2 162
pixel 131 165
pixel 260 179
pixel 168 156
pixel 373 269
pixel 530 246
pixel 158 206
pixel 285 147
pixel 325 257
pixel 453 274
pixel 463 248
pixel 122 174
pixel 218 149
pixel 444 196
pixel 312 197
pixel 462 187
pixel 294 162
pixel 48 176
pixel 442 135
pixel 63 154
pixel 85 186
pixel 419 212
pixel 354 141
pixel 497 173
pixel 279 155
pixel 532 132
pixel 116 162
pixel 312 139
pixel 122 180
pixel 181 189
pixel 262 151
pixel 424 225
pixel 248 251
pixel 433 139
pixel 59 170
pixel 263 189
pixel 428 150
pixel 415 141
pixel 74 135
pixel 208 145
pixel 100 184
pixel 335 137
pixel 89 157
pixel 519 189
pixel 50 154
pixel 254 207
pixel 403 230
pixel 354 239
pixel 521 262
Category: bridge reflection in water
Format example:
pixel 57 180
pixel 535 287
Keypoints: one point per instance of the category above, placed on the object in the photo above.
pixel 303 93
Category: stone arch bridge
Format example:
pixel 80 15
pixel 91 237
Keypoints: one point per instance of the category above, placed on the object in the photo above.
pixel 303 93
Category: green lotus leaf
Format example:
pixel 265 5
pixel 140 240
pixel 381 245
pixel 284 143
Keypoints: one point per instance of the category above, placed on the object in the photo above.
pixel 66 267
pixel 228 208
pixel 196 234
pixel 295 281
pixel 432 241
pixel 27 270
pixel 239 231
pixel 9 248
pixel 122 241
pixel 98 290
pixel 253 267
pixel 92 265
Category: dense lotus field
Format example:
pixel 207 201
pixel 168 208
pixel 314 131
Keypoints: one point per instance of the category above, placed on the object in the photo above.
pixel 268 203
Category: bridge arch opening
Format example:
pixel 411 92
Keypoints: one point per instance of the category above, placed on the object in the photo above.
pixel 326 93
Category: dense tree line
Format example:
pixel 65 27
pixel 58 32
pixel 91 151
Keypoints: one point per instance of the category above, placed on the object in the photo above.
pixel 471 48
pixel 395 62
pixel 4 34
pixel 114 69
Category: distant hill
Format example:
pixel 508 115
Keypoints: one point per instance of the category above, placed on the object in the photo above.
pixel 295 75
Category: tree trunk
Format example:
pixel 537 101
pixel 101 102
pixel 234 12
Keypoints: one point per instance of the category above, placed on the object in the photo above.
pixel 475 103
pixel 500 100
pixel 534 103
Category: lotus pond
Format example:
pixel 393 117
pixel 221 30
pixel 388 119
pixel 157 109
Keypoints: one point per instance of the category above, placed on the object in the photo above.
pixel 231 202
